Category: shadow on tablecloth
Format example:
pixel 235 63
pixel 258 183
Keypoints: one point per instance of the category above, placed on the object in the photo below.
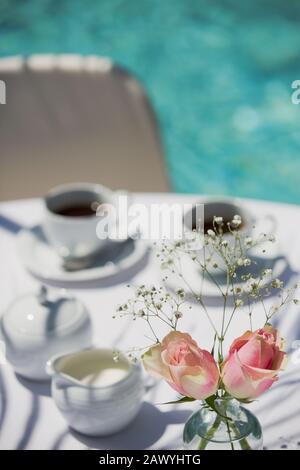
pixel 142 433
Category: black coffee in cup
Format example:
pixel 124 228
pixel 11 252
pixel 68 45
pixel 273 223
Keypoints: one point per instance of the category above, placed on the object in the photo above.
pixel 209 225
pixel 222 209
pixel 74 202
pixel 78 210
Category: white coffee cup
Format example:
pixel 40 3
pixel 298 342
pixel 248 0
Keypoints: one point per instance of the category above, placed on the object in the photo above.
pixel 74 235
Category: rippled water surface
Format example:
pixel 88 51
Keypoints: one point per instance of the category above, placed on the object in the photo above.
pixel 218 72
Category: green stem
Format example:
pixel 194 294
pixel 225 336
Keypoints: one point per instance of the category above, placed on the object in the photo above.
pixel 221 338
pixel 211 403
pixel 229 433
pixel 244 444
pixel 210 434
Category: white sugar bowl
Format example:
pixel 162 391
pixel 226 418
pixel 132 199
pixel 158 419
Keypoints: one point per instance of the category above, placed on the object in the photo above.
pixel 38 325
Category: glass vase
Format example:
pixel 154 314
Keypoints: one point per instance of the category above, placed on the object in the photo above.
pixel 230 427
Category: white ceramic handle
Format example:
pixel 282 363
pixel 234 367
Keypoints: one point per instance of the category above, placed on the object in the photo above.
pixel 43 295
pixel 273 223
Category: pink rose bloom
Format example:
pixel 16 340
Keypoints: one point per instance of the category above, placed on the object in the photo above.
pixel 253 363
pixel 190 370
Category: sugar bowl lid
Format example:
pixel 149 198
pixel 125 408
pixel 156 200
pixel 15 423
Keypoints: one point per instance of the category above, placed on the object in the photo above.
pixel 43 314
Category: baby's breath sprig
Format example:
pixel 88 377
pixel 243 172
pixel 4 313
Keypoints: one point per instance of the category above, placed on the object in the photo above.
pixel 286 296
pixel 226 250
pixel 151 303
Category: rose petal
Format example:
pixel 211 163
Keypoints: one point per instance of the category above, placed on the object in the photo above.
pixel 176 336
pixel 279 360
pixel 239 342
pixel 250 353
pixel 235 379
pixel 153 363
pixel 199 386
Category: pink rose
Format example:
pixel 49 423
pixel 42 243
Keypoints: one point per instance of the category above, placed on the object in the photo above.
pixel 190 370
pixel 253 363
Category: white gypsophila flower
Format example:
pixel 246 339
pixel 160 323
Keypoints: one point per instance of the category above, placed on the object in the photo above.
pixel 271 238
pixel 239 303
pixel 211 233
pixel 218 220
pixel 267 272
pixel 178 315
pixel 248 241
pixel 236 223
pixel 180 292
pixel 277 283
pixel 224 243
pixel 252 285
pixel 240 262
pixel 253 282
pixel 238 290
pixel 247 262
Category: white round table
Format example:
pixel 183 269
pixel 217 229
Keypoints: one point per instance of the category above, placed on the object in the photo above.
pixel 28 416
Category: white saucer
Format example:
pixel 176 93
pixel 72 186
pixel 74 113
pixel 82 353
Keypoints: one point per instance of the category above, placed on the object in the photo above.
pixel 43 263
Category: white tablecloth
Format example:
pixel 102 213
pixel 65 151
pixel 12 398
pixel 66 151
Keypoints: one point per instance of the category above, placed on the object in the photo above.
pixel 28 416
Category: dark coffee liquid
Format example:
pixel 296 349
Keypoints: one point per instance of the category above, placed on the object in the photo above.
pixel 78 210
pixel 216 209
pixel 208 225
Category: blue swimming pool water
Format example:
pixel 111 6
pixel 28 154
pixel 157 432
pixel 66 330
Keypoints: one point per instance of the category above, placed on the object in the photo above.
pixel 219 74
